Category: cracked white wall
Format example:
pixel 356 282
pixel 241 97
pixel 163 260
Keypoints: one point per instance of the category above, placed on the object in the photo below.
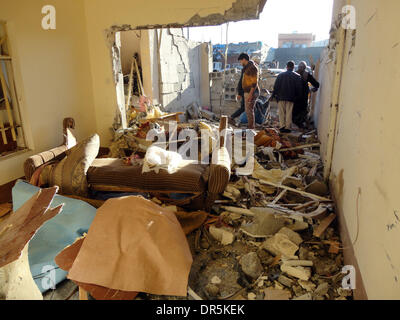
pixel 180 70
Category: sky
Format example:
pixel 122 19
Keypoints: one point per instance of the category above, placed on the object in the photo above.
pixel 278 16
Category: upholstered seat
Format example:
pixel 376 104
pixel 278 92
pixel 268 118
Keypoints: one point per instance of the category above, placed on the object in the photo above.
pixel 107 173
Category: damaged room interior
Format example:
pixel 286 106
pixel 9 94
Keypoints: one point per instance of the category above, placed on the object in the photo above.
pixel 215 150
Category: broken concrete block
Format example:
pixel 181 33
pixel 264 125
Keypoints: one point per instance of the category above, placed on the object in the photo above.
pixel 287 282
pixel 293 182
pixel 231 192
pixel 292 235
pixel 251 296
pixel 298 226
pixel 215 280
pixel 303 253
pixel 307 285
pixel 251 265
pixel 297 272
pixel 224 236
pixel 212 290
pixel 276 294
pixel 264 224
pixel 306 296
pixel 280 244
pixel 322 289
pixel 317 187
pixel 325 266
pixel 298 263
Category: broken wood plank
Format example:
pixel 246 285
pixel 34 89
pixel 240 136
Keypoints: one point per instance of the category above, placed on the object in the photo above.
pixel 303 193
pixel 5 208
pixel 304 146
pixel 334 247
pixel 238 210
pixel 193 294
pixel 279 197
pixel 130 84
pixel 306 205
pixel 324 225
pixel 8 106
pixel 83 295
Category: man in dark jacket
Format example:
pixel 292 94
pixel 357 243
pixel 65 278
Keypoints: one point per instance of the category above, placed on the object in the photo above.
pixel 300 109
pixel 287 90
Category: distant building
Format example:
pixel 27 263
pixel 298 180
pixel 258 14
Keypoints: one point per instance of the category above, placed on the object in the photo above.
pixel 282 55
pixel 320 43
pixel 256 50
pixel 295 40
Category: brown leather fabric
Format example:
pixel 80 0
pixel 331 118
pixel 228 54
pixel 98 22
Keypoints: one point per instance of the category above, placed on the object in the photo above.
pixel 34 162
pixel 113 172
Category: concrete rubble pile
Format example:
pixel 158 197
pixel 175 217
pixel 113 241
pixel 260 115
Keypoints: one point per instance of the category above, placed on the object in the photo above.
pixel 272 235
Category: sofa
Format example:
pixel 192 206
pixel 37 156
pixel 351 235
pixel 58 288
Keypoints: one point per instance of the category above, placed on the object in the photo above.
pixel 201 183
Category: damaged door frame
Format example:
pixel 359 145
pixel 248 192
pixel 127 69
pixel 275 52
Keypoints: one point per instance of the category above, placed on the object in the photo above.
pixel 340 51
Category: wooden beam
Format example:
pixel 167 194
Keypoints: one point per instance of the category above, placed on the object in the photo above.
pixel 324 225
pixel 303 193
pixel 83 295
pixel 310 145
pixel 8 107
pixel 128 98
pixel 223 125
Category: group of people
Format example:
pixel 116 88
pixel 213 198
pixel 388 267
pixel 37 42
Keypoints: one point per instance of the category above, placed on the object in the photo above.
pixel 291 91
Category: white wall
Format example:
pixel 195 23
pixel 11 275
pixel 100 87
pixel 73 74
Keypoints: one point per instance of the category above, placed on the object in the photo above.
pixel 366 167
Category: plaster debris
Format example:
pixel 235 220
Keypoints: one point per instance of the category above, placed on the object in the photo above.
pixel 251 265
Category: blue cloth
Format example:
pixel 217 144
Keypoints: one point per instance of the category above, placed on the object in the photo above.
pixel 259 117
pixel 57 233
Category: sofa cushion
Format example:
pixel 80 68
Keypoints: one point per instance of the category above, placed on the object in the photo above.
pixel 70 173
pixel 110 172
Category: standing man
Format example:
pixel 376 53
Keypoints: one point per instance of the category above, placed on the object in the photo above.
pixel 249 86
pixel 287 90
pixel 300 109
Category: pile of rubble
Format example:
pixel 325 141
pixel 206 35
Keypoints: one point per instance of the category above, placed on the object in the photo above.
pixel 272 235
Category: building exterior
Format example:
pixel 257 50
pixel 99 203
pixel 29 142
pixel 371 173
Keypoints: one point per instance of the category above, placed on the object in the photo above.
pixel 295 40
pixel 256 50
pixel 281 56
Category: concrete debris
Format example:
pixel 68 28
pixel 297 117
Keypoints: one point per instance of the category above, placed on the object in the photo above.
pixel 212 290
pixel 215 280
pixel 280 245
pixel 306 296
pixel 298 263
pixel 287 282
pixel 297 272
pixel 251 265
pixel 307 285
pixel 264 225
pixel 269 234
pixel 277 294
pixel 224 236
pixel 322 289
pixel 317 187
pixel 292 235
pixel 251 296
